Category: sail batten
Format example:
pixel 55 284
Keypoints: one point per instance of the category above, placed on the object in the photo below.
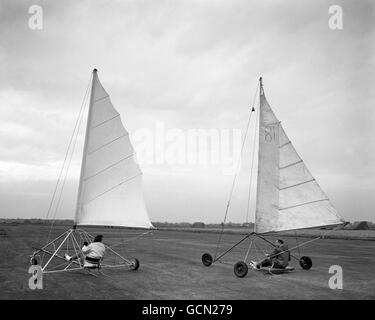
pixel 291 165
pixel 107 96
pixel 114 187
pixel 285 144
pixel 109 167
pixel 297 184
pixel 110 191
pixel 303 204
pixel 288 196
pixel 105 121
pixel 106 144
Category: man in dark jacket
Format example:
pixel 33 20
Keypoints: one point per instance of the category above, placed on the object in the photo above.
pixel 278 258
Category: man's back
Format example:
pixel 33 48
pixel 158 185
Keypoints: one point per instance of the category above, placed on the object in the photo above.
pixel 95 250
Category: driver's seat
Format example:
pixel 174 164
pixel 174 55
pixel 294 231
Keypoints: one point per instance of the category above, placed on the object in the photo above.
pixel 92 263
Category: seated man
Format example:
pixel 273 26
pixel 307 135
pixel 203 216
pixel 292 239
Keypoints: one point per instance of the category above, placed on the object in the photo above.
pixel 93 252
pixel 278 258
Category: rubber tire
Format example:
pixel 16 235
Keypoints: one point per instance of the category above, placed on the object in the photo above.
pixel 135 264
pixel 207 259
pixel 305 263
pixel 240 269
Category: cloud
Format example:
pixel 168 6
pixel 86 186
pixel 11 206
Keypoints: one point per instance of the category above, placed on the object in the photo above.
pixel 190 65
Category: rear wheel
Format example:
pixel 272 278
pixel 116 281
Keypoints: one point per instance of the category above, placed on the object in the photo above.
pixel 305 263
pixel 207 259
pixel 134 264
pixel 240 269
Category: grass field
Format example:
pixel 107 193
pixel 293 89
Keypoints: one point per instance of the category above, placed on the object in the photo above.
pixel 171 268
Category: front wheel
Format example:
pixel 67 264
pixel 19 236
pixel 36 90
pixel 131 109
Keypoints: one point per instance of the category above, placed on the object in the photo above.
pixel 207 259
pixel 305 263
pixel 134 264
pixel 240 269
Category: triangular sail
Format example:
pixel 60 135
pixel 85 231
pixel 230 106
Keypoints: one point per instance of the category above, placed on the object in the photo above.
pixel 110 191
pixel 288 197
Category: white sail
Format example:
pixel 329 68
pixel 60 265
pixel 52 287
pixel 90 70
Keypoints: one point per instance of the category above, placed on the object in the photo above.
pixel 110 191
pixel 288 197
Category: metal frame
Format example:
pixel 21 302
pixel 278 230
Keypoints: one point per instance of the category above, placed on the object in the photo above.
pixel 53 247
pixel 215 259
pixel 249 235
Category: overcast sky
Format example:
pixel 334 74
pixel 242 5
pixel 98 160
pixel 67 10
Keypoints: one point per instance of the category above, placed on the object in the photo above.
pixel 188 65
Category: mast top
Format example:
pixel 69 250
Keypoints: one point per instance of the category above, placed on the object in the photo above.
pixel 95 70
pixel 261 86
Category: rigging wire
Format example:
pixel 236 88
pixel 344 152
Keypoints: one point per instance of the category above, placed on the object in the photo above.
pixel 67 168
pixel 122 243
pixel 73 140
pixel 256 250
pixel 248 250
pixel 67 151
pixel 236 174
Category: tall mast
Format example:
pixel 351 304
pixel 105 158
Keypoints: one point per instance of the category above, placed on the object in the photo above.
pixel 260 86
pixel 258 164
pixel 78 204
